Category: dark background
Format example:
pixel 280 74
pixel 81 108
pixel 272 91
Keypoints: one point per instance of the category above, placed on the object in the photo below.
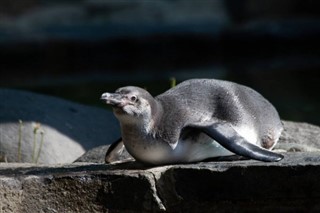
pixel 79 49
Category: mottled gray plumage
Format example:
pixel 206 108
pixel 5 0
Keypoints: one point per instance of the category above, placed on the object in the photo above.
pixel 196 120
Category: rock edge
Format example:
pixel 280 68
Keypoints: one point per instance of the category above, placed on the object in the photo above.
pixel 291 184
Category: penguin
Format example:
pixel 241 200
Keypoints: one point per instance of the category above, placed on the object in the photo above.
pixel 196 120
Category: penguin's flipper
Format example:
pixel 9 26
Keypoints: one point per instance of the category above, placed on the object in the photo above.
pixel 117 152
pixel 227 137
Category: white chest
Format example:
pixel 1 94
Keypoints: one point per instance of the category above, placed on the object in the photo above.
pixel 156 151
pixel 159 152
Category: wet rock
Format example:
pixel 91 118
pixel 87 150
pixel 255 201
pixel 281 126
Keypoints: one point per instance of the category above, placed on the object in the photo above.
pixel 65 129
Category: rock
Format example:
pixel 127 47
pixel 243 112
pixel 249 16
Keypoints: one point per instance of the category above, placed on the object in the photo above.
pixel 68 129
pixel 248 185
pixel 296 137
pixel 299 137
pixel 98 155
pixel 95 155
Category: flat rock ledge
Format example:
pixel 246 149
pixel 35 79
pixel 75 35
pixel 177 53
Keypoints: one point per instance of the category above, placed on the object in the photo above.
pixel 229 186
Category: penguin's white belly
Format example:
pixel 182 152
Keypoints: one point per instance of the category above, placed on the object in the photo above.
pixel 205 147
pixel 159 152
pixel 188 150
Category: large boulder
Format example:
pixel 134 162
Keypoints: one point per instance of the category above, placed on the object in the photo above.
pixel 65 129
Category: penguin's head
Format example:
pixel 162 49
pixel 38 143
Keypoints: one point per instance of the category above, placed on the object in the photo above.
pixel 130 103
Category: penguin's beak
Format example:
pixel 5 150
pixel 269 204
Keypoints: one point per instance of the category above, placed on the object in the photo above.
pixel 113 99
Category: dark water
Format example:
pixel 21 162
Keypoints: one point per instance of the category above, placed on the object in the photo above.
pixel 285 72
pixel 79 49
pixel 294 92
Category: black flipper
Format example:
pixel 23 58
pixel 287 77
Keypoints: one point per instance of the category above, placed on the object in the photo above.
pixel 117 152
pixel 227 137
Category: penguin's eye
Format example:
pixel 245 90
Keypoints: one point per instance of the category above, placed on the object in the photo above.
pixel 133 98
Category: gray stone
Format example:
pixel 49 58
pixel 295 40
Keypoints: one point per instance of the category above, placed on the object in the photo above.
pixel 238 186
pixel 98 154
pixel 68 129
pixel 95 155
pixel 299 137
